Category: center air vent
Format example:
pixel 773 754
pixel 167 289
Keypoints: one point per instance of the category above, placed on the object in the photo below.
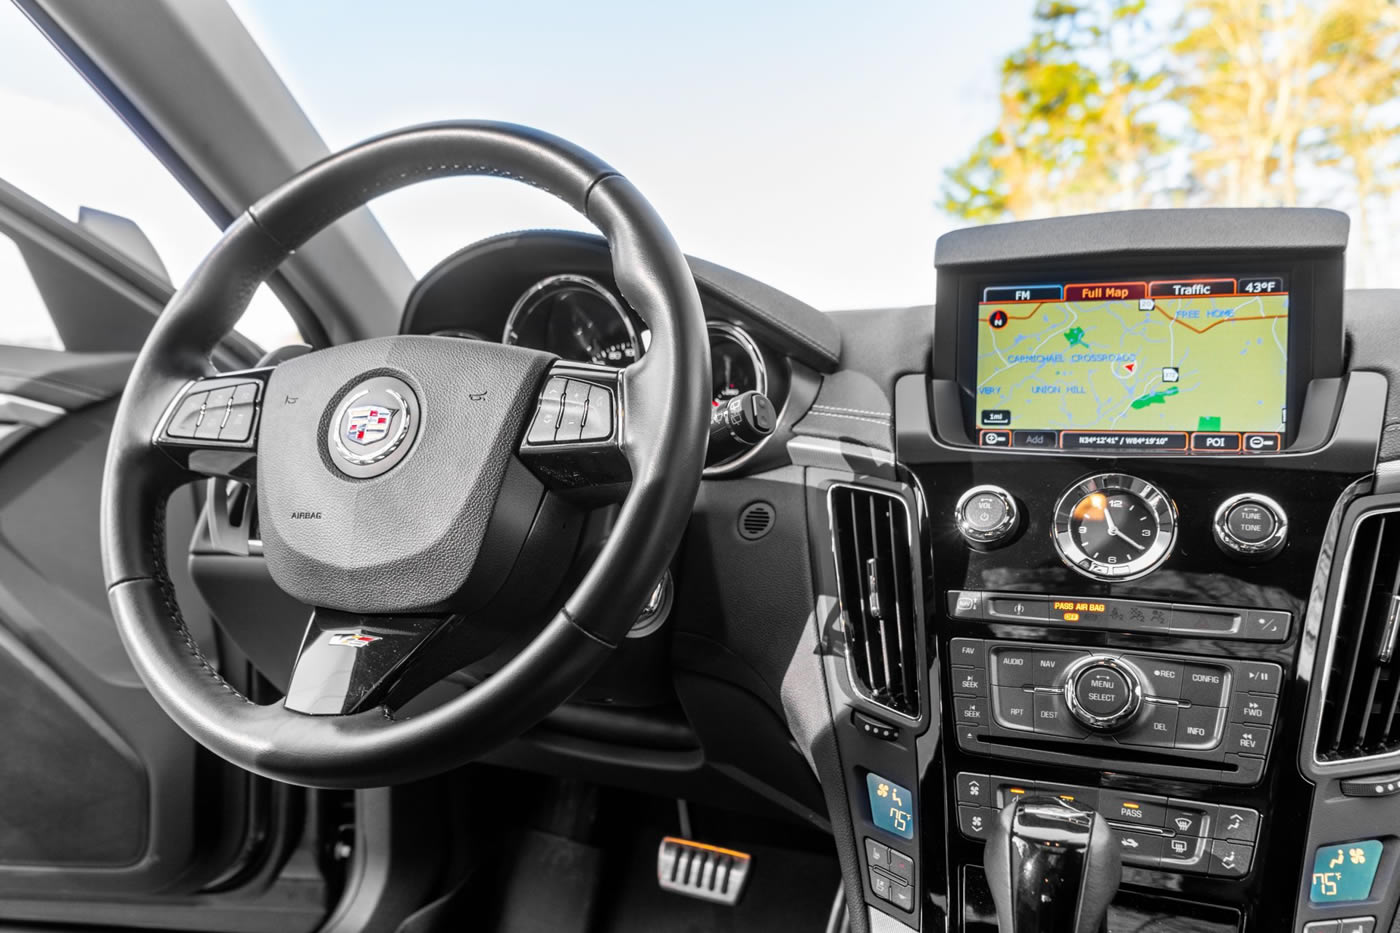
pixel 875 579
pixel 1359 709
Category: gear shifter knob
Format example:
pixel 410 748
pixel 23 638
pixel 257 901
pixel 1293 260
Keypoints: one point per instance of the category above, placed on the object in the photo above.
pixel 1053 867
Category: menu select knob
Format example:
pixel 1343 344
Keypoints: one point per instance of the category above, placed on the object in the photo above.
pixel 1251 527
pixel 987 516
pixel 1102 692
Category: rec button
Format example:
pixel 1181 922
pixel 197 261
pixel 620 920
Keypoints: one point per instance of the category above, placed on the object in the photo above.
pixel 1215 442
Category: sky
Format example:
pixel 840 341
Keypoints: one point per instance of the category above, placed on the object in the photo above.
pixel 801 143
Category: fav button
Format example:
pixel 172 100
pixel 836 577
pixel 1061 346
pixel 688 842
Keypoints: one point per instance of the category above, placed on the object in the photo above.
pixel 969 652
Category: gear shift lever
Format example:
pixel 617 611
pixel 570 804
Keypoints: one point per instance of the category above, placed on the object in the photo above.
pixel 1053 866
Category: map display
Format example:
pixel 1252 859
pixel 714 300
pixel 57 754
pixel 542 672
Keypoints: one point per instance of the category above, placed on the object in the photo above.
pixel 1178 364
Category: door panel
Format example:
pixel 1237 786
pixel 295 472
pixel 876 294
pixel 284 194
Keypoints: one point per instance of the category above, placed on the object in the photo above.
pixel 100 785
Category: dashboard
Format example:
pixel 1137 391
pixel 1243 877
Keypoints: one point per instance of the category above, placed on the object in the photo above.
pixel 1115 519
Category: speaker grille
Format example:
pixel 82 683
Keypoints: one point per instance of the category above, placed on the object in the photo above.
pixel 755 520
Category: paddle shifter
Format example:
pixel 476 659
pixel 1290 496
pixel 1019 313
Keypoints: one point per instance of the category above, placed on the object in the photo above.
pixel 1053 866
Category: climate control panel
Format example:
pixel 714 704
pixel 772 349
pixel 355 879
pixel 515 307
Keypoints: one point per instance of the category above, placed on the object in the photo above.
pixel 1010 697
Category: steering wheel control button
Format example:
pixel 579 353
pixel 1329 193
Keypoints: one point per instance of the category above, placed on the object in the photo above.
pixel 238 423
pixel 1102 692
pixel 548 413
pixel 575 409
pixel 373 427
pixel 1250 527
pixel 597 415
pixel 186 419
pixel 986 516
pixel 215 411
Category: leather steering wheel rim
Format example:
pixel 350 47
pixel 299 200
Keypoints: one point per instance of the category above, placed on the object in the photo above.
pixel 664 440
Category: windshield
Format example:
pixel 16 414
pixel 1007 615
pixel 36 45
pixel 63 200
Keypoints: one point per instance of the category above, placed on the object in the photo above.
pixel 823 146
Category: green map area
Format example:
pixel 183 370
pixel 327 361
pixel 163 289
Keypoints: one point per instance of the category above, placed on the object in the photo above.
pixel 1163 364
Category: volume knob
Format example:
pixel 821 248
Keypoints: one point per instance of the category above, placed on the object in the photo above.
pixel 1102 692
pixel 987 516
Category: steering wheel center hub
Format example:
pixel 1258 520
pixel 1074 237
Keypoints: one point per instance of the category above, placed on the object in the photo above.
pixel 373 428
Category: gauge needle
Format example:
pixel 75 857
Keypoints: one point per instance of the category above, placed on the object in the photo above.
pixel 1113 530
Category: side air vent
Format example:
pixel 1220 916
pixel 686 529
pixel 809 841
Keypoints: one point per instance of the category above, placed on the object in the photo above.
pixel 875 578
pixel 1361 706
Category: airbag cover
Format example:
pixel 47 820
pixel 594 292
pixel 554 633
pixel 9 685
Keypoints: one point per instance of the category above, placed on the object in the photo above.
pixel 407 539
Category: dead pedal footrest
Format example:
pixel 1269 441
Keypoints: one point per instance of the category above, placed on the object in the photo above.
pixel 704 871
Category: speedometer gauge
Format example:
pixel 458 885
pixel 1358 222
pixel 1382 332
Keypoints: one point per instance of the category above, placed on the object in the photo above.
pixel 736 366
pixel 1114 527
pixel 577 319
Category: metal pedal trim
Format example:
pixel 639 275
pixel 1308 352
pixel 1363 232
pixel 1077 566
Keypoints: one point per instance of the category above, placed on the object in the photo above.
pixel 703 871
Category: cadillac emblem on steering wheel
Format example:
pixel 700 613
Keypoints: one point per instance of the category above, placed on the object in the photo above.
pixel 373 427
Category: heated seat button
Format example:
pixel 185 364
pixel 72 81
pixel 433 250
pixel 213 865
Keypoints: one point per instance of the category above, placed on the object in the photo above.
pixel 901 866
pixel 877 855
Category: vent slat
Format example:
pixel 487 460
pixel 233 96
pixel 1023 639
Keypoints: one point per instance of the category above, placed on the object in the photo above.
pixel 1362 699
pixel 873 567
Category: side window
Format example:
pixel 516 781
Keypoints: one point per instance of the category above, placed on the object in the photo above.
pixel 65 147
pixel 24 320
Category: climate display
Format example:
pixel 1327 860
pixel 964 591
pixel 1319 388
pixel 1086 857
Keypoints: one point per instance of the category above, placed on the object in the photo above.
pixel 1345 872
pixel 891 806
pixel 1173 364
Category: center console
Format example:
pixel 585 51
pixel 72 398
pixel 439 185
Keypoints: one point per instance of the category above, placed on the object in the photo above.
pixel 1129 470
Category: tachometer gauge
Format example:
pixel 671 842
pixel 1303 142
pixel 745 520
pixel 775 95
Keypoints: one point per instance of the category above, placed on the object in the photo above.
pixel 577 319
pixel 736 366
pixel 1114 527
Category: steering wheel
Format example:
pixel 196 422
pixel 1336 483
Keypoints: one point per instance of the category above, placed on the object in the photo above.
pixel 408 487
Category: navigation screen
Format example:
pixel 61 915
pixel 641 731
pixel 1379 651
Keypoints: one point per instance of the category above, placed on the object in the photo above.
pixel 1189 364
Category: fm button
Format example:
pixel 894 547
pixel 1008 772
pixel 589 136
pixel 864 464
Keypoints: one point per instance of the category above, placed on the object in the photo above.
pixel 1251 527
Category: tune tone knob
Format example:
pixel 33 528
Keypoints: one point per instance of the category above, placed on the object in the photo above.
pixel 987 516
pixel 1103 693
pixel 1251 527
